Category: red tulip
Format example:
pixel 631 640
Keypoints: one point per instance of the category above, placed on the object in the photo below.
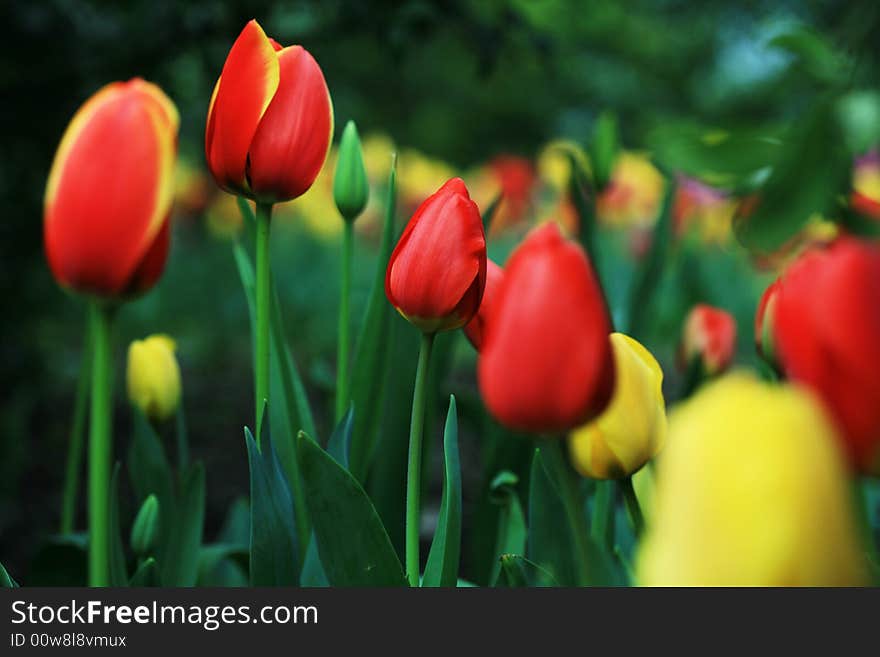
pixel 709 334
pixel 764 323
pixel 270 120
pixel 827 332
pixel 475 329
pixel 109 193
pixel 546 363
pixel 437 271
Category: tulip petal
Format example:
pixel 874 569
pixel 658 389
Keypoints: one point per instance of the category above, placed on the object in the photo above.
pixel 246 86
pixel 106 203
pixel 294 135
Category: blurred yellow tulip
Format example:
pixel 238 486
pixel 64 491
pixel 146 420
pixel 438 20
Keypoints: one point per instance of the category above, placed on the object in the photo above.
pixel 632 429
pixel 153 376
pixel 751 491
pixel 633 197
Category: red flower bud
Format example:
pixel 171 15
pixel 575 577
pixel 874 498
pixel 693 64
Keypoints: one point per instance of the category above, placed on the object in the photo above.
pixel 437 271
pixel 475 328
pixel 709 334
pixel 764 342
pixel 270 120
pixel 109 192
pixel 827 330
pixel 546 363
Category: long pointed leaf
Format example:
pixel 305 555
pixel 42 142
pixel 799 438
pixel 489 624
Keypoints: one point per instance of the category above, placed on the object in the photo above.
pixel 352 542
pixel 181 558
pixel 511 537
pixel 442 566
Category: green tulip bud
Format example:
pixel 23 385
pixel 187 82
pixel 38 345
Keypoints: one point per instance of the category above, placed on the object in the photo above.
pixel 145 530
pixel 350 187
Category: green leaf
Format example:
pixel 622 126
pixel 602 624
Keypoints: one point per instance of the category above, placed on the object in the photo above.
pixel 148 467
pixel 313 570
pixel 511 536
pixel 339 445
pixel 578 186
pixel 603 149
pixel 274 551
pixel 813 54
pixel 179 562
pixel 441 568
pixel 352 542
pixel 806 179
pixel 146 574
pixel 519 572
pixel 213 560
pixel 116 551
pixel 369 370
pixel 6 580
pixel 550 541
pixel 491 210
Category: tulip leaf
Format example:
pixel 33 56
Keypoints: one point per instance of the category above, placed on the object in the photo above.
pixel 550 540
pixel 511 536
pixel 274 551
pixel 519 572
pixel 116 551
pixel 146 574
pixel 369 372
pixel 578 191
pixel 6 580
pixel 180 559
pixel 442 565
pixel 313 570
pixel 223 564
pixel 805 180
pixel 352 542
pixel 150 472
pixel 491 210
pixel 603 149
pixel 339 445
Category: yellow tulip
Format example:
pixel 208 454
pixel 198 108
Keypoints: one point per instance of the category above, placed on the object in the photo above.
pixel 751 491
pixel 632 428
pixel 154 376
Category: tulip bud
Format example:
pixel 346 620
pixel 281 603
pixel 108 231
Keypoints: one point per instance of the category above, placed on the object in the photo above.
pixel 145 529
pixel 110 190
pixel 475 328
pixel 154 377
pixel 437 271
pixel 632 428
pixel 546 363
pixel 827 336
pixel 270 120
pixel 751 490
pixel 350 187
pixel 710 335
pixel 764 324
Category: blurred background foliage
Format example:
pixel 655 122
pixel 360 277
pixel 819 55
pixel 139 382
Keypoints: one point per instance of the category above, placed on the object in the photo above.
pixel 455 86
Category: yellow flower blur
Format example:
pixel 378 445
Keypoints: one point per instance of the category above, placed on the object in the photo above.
pixel 634 195
pixel 632 429
pixel 751 491
pixel 153 376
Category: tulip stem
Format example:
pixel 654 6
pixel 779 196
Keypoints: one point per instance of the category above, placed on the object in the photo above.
pixel 342 352
pixel 567 484
pixel 77 432
pixel 602 525
pixel 414 474
pixel 100 446
pixel 631 502
pixel 263 285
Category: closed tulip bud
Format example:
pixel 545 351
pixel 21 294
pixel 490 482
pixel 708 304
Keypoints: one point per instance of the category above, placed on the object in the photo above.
pixel 109 193
pixel 475 328
pixel 751 490
pixel 764 341
pixel 827 337
pixel 270 120
pixel 632 428
pixel 350 186
pixel 546 363
pixel 437 271
pixel 710 335
pixel 154 377
pixel 145 529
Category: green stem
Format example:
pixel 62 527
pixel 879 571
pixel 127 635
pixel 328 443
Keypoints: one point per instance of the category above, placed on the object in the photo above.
pixel 631 502
pixel 414 475
pixel 100 446
pixel 77 432
pixel 342 351
pixel 263 283
pixel 602 525
pixel 552 449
